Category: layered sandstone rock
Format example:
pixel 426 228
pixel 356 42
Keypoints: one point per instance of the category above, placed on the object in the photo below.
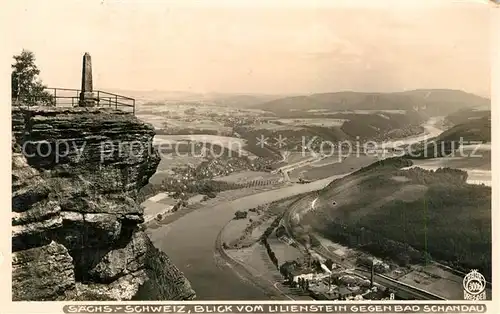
pixel 75 176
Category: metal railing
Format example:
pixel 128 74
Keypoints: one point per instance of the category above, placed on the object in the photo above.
pixel 68 97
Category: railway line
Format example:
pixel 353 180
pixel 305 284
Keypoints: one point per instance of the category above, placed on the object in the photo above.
pixel 403 290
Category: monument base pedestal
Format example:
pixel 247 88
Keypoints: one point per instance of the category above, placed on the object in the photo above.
pixel 87 99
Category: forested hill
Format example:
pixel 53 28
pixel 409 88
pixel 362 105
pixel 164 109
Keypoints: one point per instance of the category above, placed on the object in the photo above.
pixel 465 115
pixel 408 216
pixel 472 130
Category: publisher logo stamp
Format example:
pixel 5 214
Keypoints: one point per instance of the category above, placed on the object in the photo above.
pixel 474 286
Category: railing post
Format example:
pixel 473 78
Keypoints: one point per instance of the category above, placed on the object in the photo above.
pixel 55 97
pixel 133 100
pixel 116 102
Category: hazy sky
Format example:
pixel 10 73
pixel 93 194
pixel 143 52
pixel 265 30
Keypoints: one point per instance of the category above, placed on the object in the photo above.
pixel 145 45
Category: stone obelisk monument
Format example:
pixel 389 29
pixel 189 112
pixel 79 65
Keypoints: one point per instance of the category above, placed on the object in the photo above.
pixel 87 98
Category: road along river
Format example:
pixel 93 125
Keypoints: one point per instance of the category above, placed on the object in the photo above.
pixel 190 243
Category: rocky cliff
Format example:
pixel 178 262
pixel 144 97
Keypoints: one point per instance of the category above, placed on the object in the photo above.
pixel 76 226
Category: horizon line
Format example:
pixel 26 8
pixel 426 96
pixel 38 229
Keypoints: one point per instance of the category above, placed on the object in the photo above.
pixel 286 94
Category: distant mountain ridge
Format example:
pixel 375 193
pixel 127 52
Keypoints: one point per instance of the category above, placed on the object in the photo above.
pixel 431 101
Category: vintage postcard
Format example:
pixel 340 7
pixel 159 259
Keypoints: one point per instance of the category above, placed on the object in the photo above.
pixel 251 157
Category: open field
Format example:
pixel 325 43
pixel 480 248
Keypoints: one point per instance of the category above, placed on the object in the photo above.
pixel 433 278
pixel 233 143
pixel 478 168
pixel 196 123
pixel 327 161
pixel 294 157
pixel 184 125
pixel 257 262
pixel 159 204
pixel 325 122
pixel 170 162
pixel 183 110
pixel 268 126
pixel 255 257
pixel 234 229
pixel 245 239
pixel 158 197
pixel 251 254
pixel 247 176
pixel 436 279
pixel 156 120
pixel 332 168
pixel 360 111
pixel 199 145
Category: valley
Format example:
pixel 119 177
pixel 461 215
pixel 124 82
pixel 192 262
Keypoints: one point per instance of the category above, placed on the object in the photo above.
pixel 264 175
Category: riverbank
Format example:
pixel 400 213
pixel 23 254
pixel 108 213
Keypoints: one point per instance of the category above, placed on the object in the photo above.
pixel 222 197
pixel 190 243
pixel 190 237
pixel 241 243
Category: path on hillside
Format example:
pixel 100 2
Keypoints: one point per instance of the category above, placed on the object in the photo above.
pixel 307 203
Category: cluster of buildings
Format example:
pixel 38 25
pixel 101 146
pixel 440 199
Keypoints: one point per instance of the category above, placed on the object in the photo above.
pixel 341 286
pixel 344 286
pixel 333 282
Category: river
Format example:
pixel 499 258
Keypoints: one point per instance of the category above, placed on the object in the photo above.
pixel 430 130
pixel 474 159
pixel 190 240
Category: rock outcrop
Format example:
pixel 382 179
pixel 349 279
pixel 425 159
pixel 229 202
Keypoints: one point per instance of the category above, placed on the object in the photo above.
pixel 76 225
